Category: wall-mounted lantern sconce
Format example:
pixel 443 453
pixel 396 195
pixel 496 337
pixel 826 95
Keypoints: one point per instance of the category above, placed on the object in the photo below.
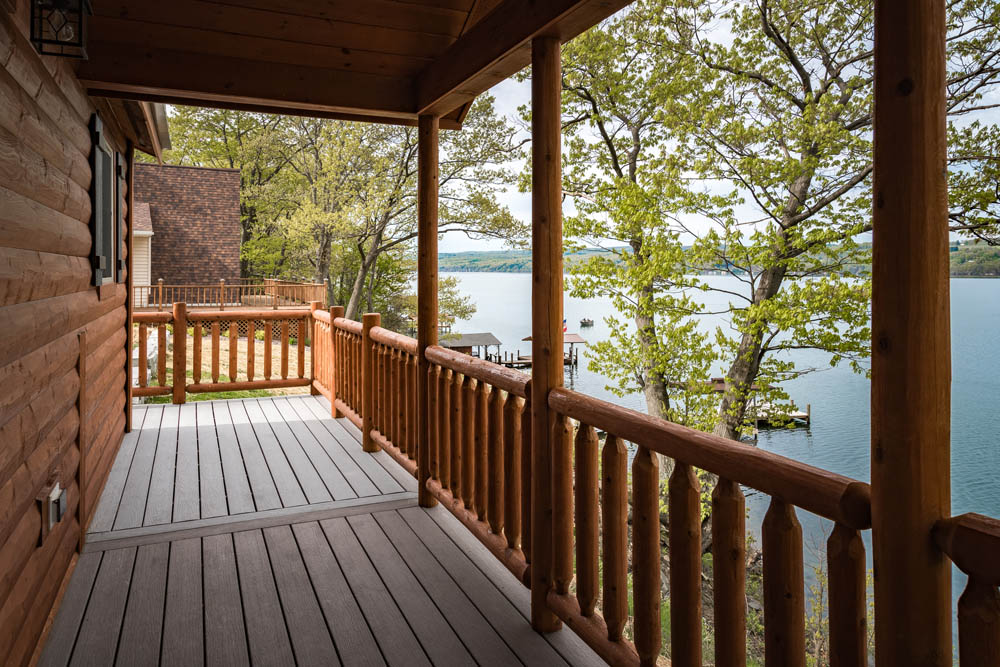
pixel 59 27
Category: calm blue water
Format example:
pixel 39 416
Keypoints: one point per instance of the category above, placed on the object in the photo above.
pixel 838 439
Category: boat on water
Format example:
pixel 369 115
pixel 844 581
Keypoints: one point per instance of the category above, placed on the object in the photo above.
pixel 586 322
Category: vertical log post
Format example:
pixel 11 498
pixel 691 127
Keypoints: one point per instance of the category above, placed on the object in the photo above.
pixel 784 587
pixel 911 337
pixel 494 455
pixel 512 471
pixel 335 363
pixel 845 557
pixel 546 310
pixel 222 293
pixel 180 350
pixel 427 289
pixel 159 294
pixel 368 388
pixel 562 504
pixel 614 536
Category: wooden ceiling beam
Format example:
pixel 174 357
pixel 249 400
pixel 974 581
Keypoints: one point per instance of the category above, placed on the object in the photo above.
pixel 134 70
pixel 410 121
pixel 498 45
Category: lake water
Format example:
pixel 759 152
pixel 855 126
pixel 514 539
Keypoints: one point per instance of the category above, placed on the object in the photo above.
pixel 839 437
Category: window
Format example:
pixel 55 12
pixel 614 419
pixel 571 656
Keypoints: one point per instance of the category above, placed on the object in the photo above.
pixel 102 199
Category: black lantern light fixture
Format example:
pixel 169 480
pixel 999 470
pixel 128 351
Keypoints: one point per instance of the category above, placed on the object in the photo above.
pixel 59 27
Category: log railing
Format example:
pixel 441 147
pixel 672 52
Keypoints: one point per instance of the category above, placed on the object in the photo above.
pixel 599 502
pixel 972 542
pixel 480 466
pixel 232 294
pixel 284 342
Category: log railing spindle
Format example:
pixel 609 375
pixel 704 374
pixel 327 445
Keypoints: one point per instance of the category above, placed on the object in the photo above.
pixel 512 471
pixel 729 573
pixel 587 521
pixel 784 595
pixel 481 439
pixel 845 557
pixel 614 537
pixel 562 504
pixel 685 566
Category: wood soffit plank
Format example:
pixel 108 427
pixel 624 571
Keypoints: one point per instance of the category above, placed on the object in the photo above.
pixel 380 61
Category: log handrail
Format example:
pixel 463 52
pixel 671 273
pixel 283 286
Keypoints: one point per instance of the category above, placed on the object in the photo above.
pixel 827 494
pixel 350 326
pixel 394 340
pixel 223 294
pixel 508 379
pixel 972 542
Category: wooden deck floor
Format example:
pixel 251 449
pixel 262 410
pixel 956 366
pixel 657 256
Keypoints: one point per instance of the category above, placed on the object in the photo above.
pixel 258 531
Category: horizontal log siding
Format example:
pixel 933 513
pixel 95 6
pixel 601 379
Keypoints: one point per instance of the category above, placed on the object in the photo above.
pixel 45 300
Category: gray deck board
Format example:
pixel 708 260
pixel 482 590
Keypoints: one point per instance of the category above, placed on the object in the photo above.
pixel 160 500
pixel 183 640
pixel 242 575
pixel 212 484
pixel 133 500
pixel 186 484
pixel 306 625
pixel 266 632
pixel 439 639
pixel 107 508
pixel 225 632
pixel 350 631
pixel 238 495
pixel 143 626
pixel 98 638
pixel 264 492
pixel 277 461
pixel 328 470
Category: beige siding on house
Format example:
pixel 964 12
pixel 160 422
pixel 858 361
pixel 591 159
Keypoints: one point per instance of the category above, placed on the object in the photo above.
pixel 140 267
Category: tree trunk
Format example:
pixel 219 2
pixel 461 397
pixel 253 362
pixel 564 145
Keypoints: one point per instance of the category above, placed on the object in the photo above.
pixel 359 282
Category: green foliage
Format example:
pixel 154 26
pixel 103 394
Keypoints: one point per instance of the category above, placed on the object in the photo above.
pixel 743 130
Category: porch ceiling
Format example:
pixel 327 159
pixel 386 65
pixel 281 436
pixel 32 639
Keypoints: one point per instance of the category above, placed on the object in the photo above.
pixel 378 60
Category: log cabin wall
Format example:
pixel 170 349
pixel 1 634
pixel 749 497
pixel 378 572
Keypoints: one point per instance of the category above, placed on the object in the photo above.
pixel 62 395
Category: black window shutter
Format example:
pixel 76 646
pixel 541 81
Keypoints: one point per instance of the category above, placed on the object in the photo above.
pixel 98 259
pixel 120 225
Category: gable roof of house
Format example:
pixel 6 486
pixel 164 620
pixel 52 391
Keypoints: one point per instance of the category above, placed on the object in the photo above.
pixel 142 221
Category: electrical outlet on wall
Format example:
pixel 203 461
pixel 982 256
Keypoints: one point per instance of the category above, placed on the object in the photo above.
pixel 52 505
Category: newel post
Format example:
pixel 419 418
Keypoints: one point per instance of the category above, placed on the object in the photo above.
pixel 180 351
pixel 368 388
pixel 335 371
pixel 911 337
pixel 427 291
pixel 546 311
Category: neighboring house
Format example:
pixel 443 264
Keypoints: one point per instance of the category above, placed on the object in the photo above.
pixel 194 224
pixel 142 238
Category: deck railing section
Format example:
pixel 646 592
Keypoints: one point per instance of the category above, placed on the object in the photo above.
pixel 394 395
pixel 286 330
pixel 272 294
pixel 480 464
pixel 972 542
pixel 599 501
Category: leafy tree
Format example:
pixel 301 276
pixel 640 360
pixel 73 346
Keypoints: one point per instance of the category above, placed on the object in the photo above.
pixel 744 129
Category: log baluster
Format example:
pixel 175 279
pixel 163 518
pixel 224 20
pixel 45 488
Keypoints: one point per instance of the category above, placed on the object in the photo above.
pixel 234 336
pixel 433 380
pixel 251 345
pixel 457 431
pixel 685 565
pixel 196 352
pixel 143 370
pixel 784 595
pixel 526 480
pixel 729 573
pixel 300 344
pixel 495 458
pixel 216 353
pixel 161 355
pixel 268 347
pixel 562 503
pixel 512 471
pixel 845 557
pixel 587 513
pixel 284 349
pixel 481 439
pixel 646 562
pixel 411 418
pixel 469 444
pixel 979 624
pixel 444 428
pixel 614 537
